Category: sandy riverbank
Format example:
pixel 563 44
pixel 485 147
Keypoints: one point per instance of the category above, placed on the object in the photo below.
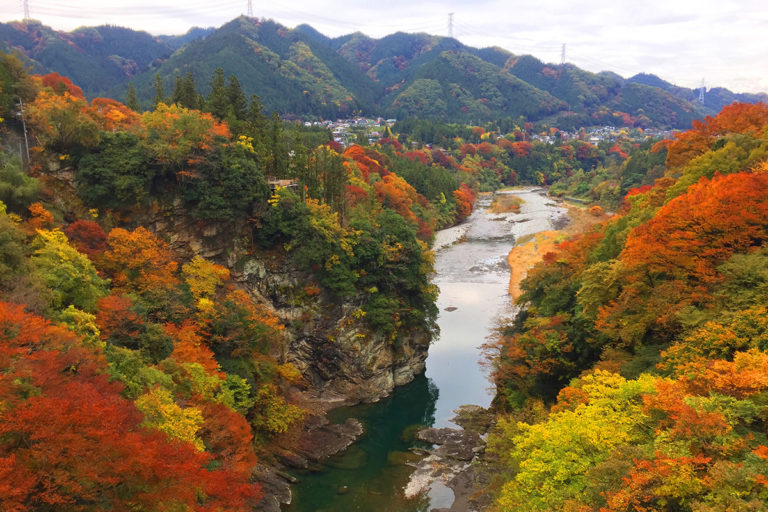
pixel 528 252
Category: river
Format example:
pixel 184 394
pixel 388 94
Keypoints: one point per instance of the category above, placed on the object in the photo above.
pixel 472 273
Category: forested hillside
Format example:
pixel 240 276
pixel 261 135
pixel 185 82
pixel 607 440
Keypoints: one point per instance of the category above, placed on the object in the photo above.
pixel 145 314
pixel 634 377
pixel 302 72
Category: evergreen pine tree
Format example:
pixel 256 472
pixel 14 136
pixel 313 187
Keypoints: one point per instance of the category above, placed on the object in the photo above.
pixel 255 115
pixel 159 93
pixel 130 100
pixel 217 100
pixel 184 93
pixel 236 98
pixel 277 160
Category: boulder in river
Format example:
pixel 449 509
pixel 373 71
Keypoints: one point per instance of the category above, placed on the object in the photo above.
pixel 456 462
pixel 454 443
pixel 276 489
pixel 327 440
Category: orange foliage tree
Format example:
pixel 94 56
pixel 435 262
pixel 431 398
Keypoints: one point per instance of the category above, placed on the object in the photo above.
pixel 138 262
pixel 394 192
pixel 745 118
pixel 671 260
pixel 178 137
pixel 114 116
pixel 87 236
pixel 61 84
pixel 69 441
pixel 62 121
pixel 465 199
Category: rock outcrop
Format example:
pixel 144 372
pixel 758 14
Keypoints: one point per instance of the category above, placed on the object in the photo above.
pixel 328 340
pixel 456 461
pixel 326 337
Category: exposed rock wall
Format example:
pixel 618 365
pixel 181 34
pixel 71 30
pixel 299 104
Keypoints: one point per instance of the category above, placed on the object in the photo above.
pixel 327 338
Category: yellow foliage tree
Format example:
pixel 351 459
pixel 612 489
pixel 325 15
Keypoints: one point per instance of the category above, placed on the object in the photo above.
pixel 203 277
pixel 162 413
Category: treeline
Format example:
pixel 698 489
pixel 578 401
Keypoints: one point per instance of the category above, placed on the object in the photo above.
pixel 491 158
pixel 635 376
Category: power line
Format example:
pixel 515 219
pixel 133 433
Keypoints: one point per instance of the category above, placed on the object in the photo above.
pixel 26 10
pixel 250 8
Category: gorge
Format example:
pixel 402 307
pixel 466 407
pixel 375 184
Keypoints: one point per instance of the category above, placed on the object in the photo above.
pixel 472 274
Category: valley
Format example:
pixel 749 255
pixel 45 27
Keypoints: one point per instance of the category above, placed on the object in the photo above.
pixel 281 274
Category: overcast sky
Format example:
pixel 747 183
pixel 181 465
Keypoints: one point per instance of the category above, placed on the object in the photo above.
pixel 724 42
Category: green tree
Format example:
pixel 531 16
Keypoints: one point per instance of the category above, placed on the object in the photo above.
pixel 117 174
pixel 17 190
pixel 130 98
pixel 227 183
pixel 159 92
pixel 184 92
pixel 236 99
pixel 15 84
pixel 255 115
pixel 277 156
pixel 217 100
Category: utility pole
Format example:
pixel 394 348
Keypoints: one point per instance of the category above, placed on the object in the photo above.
pixel 24 127
pixel 562 55
pixel 250 8
pixel 26 10
pixel 702 91
pixel 450 25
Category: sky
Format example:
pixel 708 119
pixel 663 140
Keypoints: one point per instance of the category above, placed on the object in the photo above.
pixel 686 42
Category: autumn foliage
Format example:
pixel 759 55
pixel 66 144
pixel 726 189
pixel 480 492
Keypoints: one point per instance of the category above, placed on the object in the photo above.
pixel 148 378
pixel 650 334
pixel 75 443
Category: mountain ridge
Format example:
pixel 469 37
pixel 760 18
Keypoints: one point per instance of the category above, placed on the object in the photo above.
pixel 303 72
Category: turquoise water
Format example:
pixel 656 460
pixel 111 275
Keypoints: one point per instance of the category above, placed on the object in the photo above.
pixel 373 469
pixel 473 277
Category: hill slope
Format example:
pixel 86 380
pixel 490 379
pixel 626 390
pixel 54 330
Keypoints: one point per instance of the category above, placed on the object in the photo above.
pixel 301 71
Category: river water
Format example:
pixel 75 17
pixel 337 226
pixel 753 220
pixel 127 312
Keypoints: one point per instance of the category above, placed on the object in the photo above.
pixel 472 273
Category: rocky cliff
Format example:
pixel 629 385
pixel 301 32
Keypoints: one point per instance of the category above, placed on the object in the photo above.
pixel 341 359
pixel 327 337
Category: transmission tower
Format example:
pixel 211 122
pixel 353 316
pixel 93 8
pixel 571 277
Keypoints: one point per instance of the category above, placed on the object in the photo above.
pixel 26 10
pixel 450 24
pixel 562 55
pixel 250 8
pixel 702 90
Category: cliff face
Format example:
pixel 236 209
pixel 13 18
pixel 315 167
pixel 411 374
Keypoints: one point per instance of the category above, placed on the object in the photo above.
pixel 326 337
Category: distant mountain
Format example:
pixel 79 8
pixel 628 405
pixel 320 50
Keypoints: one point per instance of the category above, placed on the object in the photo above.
pixel 95 58
pixel 176 42
pixel 714 99
pixel 301 71
pixel 462 85
pixel 291 71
